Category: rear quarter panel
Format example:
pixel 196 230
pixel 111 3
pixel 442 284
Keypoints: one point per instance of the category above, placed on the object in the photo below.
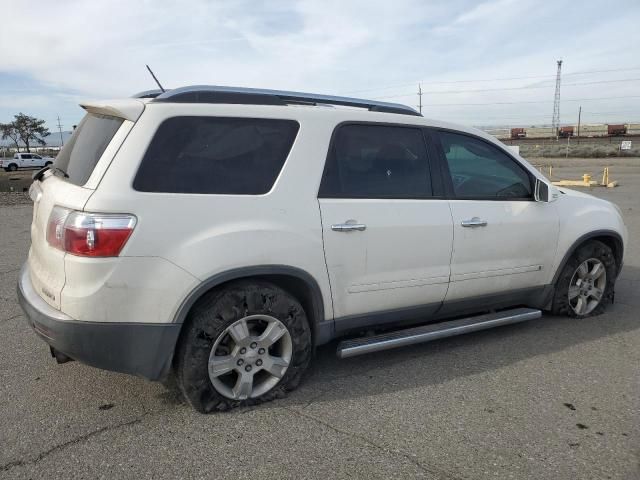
pixel 209 234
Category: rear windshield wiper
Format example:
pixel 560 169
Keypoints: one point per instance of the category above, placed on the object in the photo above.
pixel 60 171
pixel 55 170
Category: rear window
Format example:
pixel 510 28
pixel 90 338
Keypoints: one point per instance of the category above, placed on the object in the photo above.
pixel 216 155
pixel 80 155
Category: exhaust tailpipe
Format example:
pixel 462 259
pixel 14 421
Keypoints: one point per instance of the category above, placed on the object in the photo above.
pixel 59 356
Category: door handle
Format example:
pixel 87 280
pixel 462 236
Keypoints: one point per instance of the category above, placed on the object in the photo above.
pixel 348 226
pixel 474 222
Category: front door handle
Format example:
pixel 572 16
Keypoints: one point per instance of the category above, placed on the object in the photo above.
pixel 474 222
pixel 348 226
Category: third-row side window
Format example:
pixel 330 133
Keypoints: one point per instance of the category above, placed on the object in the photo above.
pixel 216 155
pixel 377 161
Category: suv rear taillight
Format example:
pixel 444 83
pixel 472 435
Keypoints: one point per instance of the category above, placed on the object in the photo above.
pixel 89 234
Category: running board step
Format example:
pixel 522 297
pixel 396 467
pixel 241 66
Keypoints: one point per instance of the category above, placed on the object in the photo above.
pixel 427 333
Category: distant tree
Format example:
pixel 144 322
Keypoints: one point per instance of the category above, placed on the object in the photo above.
pixel 8 130
pixel 30 129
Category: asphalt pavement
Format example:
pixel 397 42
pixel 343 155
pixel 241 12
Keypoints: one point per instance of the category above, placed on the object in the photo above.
pixel 554 398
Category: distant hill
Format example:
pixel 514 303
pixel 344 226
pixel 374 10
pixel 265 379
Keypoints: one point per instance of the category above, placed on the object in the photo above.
pixel 52 140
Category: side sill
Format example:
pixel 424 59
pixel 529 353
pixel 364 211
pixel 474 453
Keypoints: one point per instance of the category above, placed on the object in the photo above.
pixel 537 297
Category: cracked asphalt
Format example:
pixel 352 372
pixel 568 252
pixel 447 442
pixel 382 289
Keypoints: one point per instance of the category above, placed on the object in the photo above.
pixel 554 398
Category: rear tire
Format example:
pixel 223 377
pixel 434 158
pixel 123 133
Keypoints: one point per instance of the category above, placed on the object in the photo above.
pixel 586 284
pixel 12 168
pixel 48 163
pixel 226 340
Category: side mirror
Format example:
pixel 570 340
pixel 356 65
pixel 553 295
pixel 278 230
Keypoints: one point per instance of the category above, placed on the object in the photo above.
pixel 545 192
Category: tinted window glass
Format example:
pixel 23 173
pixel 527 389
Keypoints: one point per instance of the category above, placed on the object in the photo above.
pixel 375 161
pixel 216 155
pixel 81 153
pixel 26 156
pixel 480 170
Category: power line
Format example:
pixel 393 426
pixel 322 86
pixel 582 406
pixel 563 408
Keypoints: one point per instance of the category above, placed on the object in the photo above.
pixel 525 87
pixel 544 116
pixel 635 110
pixel 528 77
pixel 524 102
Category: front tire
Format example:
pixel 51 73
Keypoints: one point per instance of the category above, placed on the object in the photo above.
pixel 587 281
pixel 245 344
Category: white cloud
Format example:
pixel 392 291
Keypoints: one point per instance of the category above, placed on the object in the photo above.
pixel 487 12
pixel 99 48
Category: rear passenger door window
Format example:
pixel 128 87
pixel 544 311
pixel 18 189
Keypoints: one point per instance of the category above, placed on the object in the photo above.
pixel 377 161
pixel 387 239
pixel 216 155
pixel 480 170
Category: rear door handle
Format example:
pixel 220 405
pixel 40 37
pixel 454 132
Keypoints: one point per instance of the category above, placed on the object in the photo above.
pixel 474 222
pixel 348 226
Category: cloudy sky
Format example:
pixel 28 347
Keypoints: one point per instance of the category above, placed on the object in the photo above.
pixel 479 62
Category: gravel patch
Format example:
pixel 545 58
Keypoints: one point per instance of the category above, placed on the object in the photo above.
pixel 14 198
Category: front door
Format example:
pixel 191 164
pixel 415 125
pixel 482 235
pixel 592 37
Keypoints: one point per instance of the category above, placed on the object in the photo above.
pixel 387 239
pixel 504 241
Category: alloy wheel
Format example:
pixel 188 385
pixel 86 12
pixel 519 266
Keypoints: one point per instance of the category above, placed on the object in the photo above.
pixel 587 286
pixel 250 357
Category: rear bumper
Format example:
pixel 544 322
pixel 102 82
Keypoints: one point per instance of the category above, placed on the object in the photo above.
pixel 140 349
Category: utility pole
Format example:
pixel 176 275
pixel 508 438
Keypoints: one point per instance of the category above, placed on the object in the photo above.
pixel 555 124
pixel 60 130
pixel 420 98
pixel 579 115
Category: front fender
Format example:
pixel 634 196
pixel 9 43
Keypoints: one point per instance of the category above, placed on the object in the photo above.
pixel 583 217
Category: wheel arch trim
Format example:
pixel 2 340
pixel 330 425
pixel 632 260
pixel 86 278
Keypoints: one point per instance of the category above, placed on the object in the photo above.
pixel 320 325
pixel 582 239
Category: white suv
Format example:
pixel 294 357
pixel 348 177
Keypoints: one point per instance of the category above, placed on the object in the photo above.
pixel 223 233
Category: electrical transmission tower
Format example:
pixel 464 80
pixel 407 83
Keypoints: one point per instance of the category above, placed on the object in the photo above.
pixel 555 123
pixel 60 130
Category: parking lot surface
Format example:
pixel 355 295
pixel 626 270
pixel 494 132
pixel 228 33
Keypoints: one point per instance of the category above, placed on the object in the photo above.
pixel 554 398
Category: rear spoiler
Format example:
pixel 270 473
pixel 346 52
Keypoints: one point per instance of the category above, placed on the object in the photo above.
pixel 129 109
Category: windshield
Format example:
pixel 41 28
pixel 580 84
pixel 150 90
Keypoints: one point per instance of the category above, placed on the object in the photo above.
pixel 80 155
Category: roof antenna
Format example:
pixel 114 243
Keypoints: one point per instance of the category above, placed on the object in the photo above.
pixel 154 77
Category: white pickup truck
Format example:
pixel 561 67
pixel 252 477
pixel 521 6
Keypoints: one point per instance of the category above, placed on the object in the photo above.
pixel 25 160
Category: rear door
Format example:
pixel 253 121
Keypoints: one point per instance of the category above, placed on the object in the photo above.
pixel 504 241
pixel 387 237
pixel 77 159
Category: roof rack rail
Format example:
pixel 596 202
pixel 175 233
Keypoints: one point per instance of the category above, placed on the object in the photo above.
pixel 259 96
pixel 148 93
